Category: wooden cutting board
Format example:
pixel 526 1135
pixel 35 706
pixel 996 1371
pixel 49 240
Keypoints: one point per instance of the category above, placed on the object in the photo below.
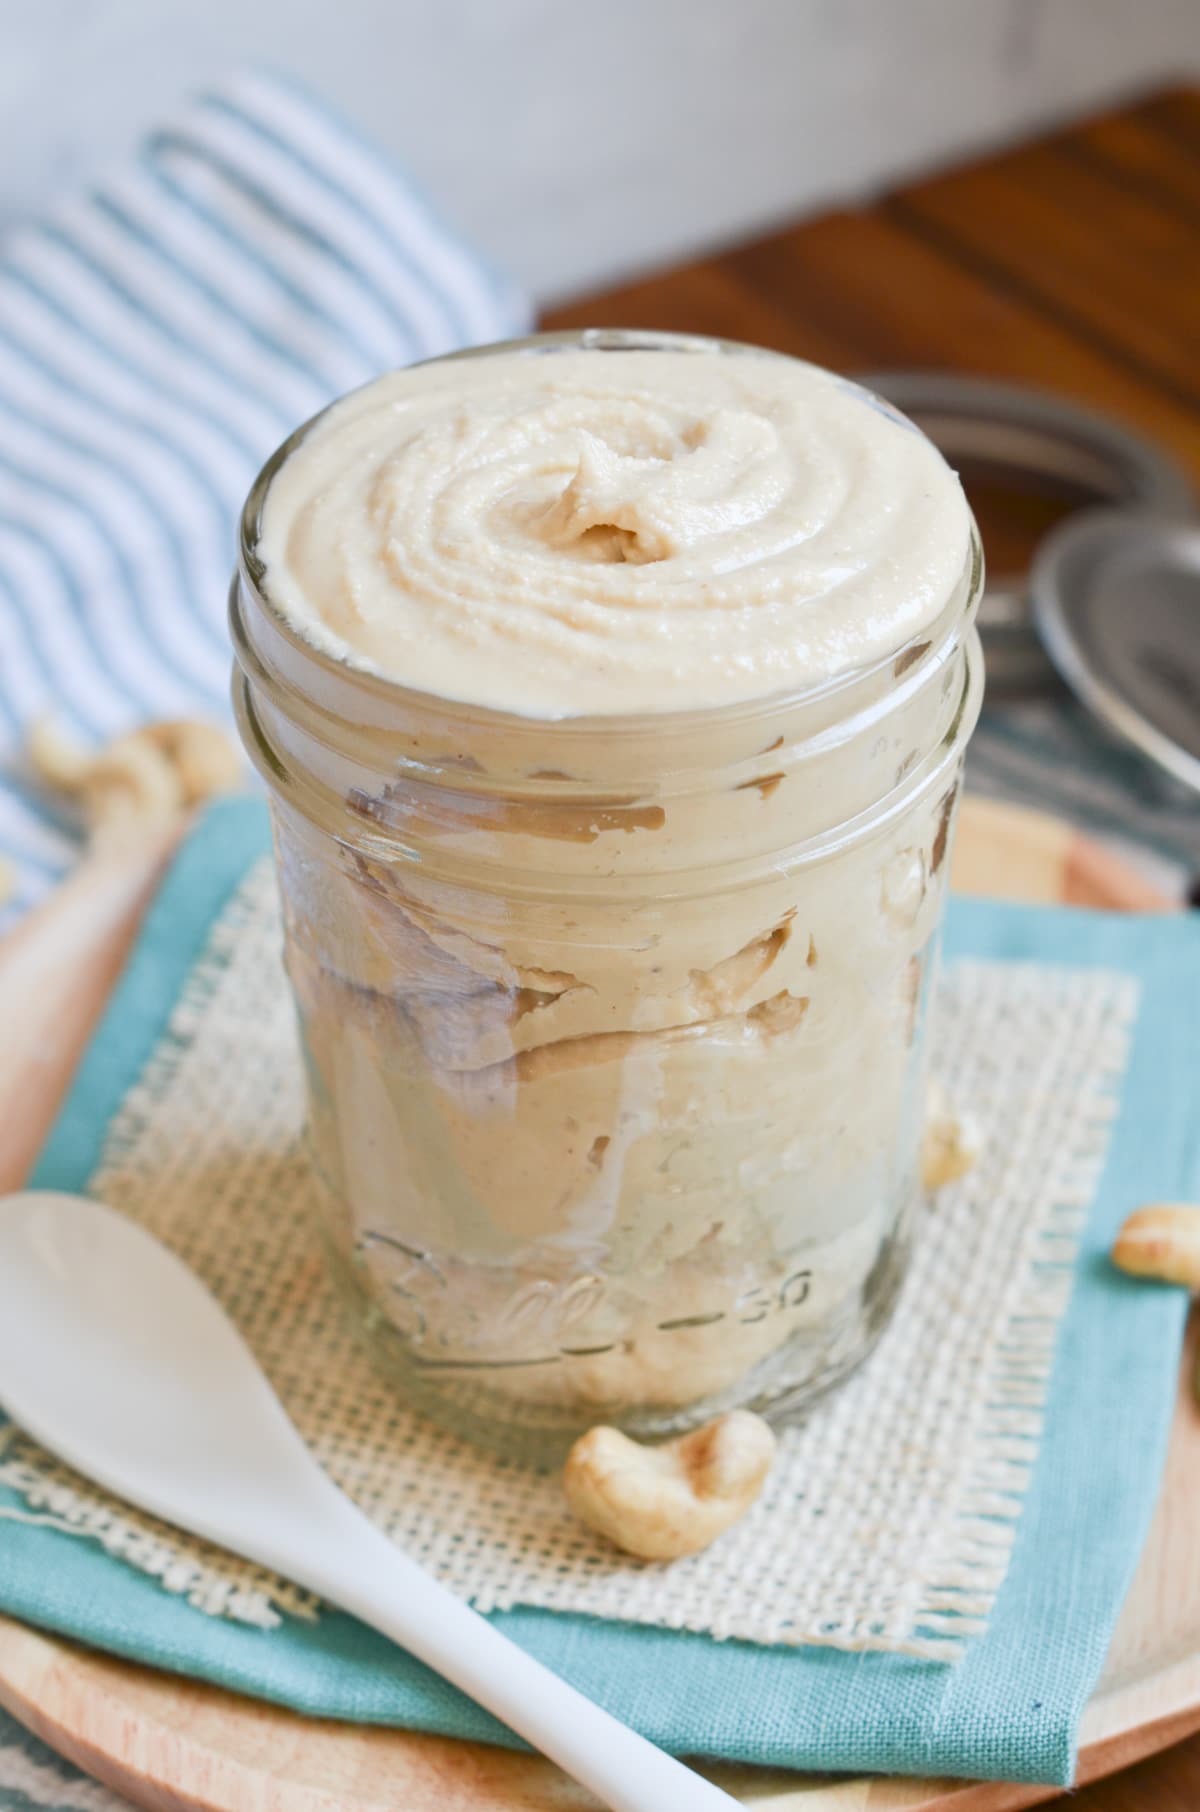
pixel 175 1746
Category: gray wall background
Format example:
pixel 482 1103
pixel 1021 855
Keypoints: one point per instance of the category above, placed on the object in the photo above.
pixel 577 142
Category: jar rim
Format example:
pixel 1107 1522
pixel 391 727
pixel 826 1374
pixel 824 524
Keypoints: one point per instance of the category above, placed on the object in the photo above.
pixel 954 619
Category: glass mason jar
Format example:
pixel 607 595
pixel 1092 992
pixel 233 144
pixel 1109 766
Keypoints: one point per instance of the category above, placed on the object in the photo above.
pixel 614 1027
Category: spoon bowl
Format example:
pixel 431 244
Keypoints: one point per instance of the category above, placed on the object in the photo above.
pixel 115 1356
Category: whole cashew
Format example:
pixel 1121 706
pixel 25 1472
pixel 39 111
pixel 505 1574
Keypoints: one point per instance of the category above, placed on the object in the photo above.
pixel 129 779
pixel 949 1145
pixel 144 777
pixel 202 756
pixel 663 1502
pixel 57 760
pixel 1162 1241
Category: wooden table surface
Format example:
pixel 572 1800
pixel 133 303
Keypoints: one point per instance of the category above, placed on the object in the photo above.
pixel 1072 263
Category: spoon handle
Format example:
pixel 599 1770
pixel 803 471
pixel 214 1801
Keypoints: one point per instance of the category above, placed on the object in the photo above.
pixel 367 1575
pixel 56 970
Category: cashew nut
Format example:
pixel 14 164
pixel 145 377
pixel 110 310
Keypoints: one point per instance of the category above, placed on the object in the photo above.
pixel 663 1502
pixel 202 756
pixel 147 775
pixel 949 1145
pixel 1162 1241
pixel 57 760
pixel 130 779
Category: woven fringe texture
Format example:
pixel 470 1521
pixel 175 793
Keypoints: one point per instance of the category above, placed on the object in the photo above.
pixel 888 1520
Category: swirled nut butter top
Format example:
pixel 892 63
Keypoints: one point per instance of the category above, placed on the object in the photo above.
pixel 576 531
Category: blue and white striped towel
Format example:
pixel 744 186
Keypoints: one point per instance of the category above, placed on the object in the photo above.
pixel 158 338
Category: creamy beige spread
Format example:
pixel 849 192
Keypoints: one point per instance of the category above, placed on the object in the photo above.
pixel 577 531
pixel 616 1101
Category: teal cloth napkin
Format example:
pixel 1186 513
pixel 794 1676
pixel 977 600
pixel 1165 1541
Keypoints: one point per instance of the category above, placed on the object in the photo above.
pixel 1009 1710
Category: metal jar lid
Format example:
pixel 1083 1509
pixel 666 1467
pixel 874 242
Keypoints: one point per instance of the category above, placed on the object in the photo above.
pixel 1116 597
pixel 1034 444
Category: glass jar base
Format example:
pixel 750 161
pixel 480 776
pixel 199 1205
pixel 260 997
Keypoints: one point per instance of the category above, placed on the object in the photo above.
pixel 470 1404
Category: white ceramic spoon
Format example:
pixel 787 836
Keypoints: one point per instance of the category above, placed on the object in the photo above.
pixel 115 1356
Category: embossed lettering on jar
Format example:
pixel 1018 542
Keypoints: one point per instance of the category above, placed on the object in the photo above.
pixel 614 1025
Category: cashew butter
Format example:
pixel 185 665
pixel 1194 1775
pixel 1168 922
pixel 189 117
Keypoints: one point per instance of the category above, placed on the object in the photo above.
pixel 612 696
pixel 593 531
